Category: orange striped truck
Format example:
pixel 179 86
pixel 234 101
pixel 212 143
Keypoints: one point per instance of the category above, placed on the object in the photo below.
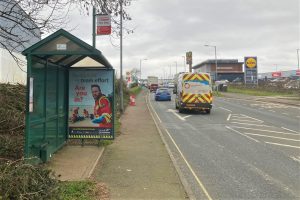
pixel 193 92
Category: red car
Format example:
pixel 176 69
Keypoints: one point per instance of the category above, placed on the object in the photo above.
pixel 153 87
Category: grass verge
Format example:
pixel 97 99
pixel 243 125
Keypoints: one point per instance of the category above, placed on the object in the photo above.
pixel 257 92
pixel 77 190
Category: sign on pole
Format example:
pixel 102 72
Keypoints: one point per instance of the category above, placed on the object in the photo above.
pixel 250 67
pixel 103 24
pixel 189 60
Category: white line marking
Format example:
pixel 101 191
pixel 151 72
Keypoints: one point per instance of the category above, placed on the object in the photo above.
pixel 252 118
pixel 266 130
pixel 295 159
pixel 189 166
pixel 289 130
pixel 241 120
pixel 228 118
pixel 298 116
pixel 225 109
pixel 281 138
pixel 187 116
pixel 272 110
pixel 242 134
pixel 285 114
pixel 174 112
pixel 153 109
pixel 252 124
pixel 284 145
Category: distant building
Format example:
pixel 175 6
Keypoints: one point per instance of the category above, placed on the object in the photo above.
pixel 228 69
pixel 9 70
pixel 279 74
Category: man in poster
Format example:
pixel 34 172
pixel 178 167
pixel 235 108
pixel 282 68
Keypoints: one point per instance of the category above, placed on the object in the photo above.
pixel 102 108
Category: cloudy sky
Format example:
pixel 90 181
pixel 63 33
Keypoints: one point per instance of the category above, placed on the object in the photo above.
pixel 164 30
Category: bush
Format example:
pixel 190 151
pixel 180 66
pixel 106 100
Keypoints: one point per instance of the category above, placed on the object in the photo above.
pixel 20 180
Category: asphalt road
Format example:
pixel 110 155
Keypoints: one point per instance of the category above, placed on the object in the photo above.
pixel 242 150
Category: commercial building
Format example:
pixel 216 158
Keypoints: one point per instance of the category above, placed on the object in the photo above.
pixel 228 69
pixel 13 30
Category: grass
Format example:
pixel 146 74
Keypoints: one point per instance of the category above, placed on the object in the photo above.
pixel 257 92
pixel 77 190
pixel 135 90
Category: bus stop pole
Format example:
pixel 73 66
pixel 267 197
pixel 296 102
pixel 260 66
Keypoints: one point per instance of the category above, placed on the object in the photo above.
pixel 121 59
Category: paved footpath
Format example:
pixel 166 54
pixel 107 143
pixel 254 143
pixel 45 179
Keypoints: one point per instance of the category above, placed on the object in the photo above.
pixel 137 164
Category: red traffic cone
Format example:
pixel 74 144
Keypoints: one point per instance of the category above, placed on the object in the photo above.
pixel 132 100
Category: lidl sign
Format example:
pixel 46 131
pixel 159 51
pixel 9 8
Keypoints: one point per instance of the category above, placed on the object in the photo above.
pixel 251 62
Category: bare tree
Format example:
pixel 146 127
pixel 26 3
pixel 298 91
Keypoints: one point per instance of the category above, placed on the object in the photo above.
pixel 23 20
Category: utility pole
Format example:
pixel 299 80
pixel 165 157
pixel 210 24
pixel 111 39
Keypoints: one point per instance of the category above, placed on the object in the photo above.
pixel 176 66
pixel 183 63
pixel 121 57
pixel 298 57
pixel 94 27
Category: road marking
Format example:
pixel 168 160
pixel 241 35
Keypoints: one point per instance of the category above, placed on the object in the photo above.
pixel 285 114
pixel 252 118
pixel 272 137
pixel 272 110
pixel 252 124
pixel 298 116
pixel 295 159
pixel 228 118
pixel 153 108
pixel 284 145
pixel 289 130
pixel 174 112
pixel 241 120
pixel 187 116
pixel 189 166
pixel 242 134
pixel 225 109
pixel 265 130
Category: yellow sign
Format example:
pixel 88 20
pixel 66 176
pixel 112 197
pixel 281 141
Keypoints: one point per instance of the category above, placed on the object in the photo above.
pixel 251 62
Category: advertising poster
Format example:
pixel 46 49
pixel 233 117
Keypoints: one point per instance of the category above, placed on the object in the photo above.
pixel 91 94
pixel 250 70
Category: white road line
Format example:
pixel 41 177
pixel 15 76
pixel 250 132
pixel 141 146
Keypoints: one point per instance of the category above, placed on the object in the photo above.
pixel 242 134
pixel 295 159
pixel 225 109
pixel 189 166
pixel 174 112
pixel 245 120
pixel 285 114
pixel 284 145
pixel 228 118
pixel 281 138
pixel 252 124
pixel 153 108
pixel 265 130
pixel 252 118
pixel 289 130
pixel 272 110
pixel 187 116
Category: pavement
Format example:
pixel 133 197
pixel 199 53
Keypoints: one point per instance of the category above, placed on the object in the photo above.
pixel 137 165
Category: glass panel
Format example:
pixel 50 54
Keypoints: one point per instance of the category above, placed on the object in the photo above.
pixel 51 91
pixel 35 139
pixel 38 74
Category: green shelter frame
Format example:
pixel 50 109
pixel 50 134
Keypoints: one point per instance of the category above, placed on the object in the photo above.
pixel 48 65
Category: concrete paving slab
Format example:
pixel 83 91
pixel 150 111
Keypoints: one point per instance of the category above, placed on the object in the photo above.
pixel 75 163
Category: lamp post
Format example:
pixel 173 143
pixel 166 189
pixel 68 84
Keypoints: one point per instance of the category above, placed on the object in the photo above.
pixel 141 67
pixel 176 66
pixel 298 57
pixel 216 72
pixel 183 63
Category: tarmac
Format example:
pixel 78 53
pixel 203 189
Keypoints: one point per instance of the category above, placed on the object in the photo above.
pixel 137 164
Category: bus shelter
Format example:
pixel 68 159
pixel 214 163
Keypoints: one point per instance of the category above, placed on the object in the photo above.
pixel 70 94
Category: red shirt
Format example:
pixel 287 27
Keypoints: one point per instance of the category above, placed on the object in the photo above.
pixel 102 108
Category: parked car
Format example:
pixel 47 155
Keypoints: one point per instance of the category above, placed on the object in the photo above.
pixel 162 94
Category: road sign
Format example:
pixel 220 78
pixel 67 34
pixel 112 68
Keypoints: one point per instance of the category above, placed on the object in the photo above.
pixel 103 24
pixel 189 58
pixel 250 67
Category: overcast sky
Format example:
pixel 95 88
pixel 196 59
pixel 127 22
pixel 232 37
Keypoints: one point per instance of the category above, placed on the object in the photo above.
pixel 164 30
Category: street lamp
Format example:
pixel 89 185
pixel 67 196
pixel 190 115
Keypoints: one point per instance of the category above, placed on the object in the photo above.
pixel 176 66
pixel 216 72
pixel 183 63
pixel 141 67
pixel 298 57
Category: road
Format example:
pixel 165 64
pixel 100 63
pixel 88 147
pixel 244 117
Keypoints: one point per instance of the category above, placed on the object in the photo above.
pixel 242 150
